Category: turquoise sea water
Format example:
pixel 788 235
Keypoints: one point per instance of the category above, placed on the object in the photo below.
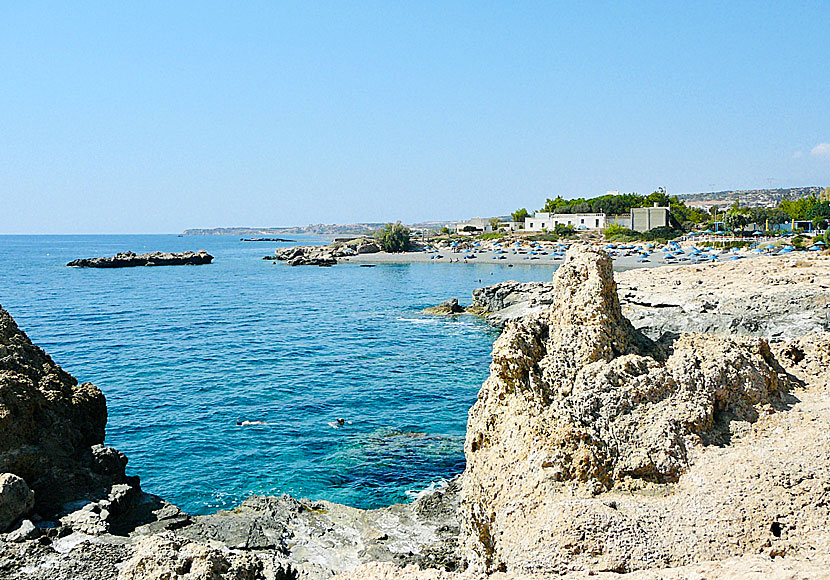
pixel 182 352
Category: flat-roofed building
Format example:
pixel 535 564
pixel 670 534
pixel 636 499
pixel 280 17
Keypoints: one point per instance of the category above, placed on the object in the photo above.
pixel 580 221
pixel 644 219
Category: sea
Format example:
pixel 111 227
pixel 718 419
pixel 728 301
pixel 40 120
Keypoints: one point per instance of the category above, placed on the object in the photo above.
pixel 184 353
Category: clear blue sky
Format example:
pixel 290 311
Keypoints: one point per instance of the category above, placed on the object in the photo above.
pixel 155 117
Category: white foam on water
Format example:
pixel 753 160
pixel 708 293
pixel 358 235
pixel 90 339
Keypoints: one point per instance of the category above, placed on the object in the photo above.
pixel 438 485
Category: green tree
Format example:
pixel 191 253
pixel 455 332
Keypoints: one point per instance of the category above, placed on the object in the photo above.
pixel 736 218
pixel 519 215
pixel 660 197
pixel 494 223
pixel 393 237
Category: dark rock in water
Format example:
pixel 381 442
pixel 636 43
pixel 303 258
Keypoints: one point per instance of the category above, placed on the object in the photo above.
pixel 448 307
pixel 130 259
pixel 265 240
pixel 312 261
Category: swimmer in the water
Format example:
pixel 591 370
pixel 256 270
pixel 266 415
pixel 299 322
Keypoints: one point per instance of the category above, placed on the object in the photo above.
pixel 341 422
pixel 246 423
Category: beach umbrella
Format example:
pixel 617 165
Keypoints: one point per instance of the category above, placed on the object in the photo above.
pixel 757 233
pixel 820 243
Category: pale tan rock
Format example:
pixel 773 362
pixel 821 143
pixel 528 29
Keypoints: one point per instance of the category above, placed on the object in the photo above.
pixel 749 567
pixel 168 557
pixel 579 403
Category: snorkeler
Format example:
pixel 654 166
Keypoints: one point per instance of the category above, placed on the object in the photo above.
pixel 246 423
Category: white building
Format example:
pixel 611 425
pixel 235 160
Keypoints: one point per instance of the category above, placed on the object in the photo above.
pixel 579 221
pixel 475 225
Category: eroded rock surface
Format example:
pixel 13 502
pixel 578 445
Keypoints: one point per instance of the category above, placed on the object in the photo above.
pixel 16 500
pixel 579 403
pixel 308 255
pixel 776 298
pixel 51 427
pixel 130 259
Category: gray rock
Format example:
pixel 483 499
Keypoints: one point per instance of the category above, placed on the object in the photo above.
pixel 16 499
pixel 25 531
pixel 131 259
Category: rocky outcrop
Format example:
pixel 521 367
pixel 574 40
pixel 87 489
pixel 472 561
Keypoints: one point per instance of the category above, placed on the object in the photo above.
pixel 51 427
pixel 130 259
pixel 579 403
pixel 309 255
pixel 16 499
pixel 446 308
pixel 166 556
pixel 92 520
pixel 776 298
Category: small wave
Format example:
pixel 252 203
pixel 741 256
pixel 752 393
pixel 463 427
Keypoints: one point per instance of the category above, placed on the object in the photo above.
pixel 438 485
pixel 419 320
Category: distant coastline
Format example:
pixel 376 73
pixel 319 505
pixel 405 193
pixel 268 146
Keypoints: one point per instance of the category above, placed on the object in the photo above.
pixel 325 230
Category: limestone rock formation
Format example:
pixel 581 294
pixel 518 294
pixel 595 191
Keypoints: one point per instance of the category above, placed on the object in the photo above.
pixel 16 499
pixel 166 556
pixel 51 427
pixel 130 259
pixel 309 255
pixel 577 403
pixel 776 298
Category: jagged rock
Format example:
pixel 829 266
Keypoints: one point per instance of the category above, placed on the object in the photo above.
pixel 446 308
pixel 774 298
pixel 130 259
pixel 25 531
pixel 105 515
pixel 578 399
pixel 16 499
pixel 49 424
pixel 310 255
pixel 319 260
pixel 165 556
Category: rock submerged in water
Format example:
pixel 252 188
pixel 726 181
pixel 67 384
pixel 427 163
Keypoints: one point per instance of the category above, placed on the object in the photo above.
pixel 130 259
pixel 446 308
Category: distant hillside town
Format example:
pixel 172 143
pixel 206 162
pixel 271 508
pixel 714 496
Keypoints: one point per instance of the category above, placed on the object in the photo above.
pixel 749 197
pixel 781 208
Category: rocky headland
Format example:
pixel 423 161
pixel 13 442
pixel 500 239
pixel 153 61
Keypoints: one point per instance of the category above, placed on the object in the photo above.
pixel 324 255
pixel 594 449
pixel 131 259
pixel 771 297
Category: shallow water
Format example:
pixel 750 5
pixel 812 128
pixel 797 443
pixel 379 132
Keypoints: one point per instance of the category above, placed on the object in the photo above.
pixel 183 352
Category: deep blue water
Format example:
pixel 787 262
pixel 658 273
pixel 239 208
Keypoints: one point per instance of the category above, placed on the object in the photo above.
pixel 182 352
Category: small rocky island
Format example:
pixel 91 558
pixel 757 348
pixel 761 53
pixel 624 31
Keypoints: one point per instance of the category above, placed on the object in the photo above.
pixel 131 259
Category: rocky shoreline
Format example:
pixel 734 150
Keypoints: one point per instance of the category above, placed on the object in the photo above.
pixel 131 259
pixel 595 447
pixel 776 298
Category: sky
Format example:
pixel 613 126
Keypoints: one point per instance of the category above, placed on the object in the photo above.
pixel 143 117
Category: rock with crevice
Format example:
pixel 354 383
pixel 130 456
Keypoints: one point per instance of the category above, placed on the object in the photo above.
pixel 578 403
